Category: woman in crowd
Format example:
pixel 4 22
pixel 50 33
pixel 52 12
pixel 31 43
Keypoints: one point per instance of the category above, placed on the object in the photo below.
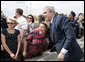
pixel 11 42
pixel 39 19
pixel 30 20
pixel 80 23
pixel 36 42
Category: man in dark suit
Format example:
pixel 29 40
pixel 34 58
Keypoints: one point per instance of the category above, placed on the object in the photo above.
pixel 63 36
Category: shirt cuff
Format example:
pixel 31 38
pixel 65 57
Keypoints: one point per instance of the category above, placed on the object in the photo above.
pixel 64 50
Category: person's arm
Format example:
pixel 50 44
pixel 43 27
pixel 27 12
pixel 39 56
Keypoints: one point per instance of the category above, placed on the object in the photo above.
pixel 19 44
pixel 69 34
pixel 70 38
pixel 25 47
pixel 23 34
pixel 2 49
pixel 27 39
pixel 3 40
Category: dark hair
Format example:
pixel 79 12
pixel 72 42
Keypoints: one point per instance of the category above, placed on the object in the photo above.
pixel 80 14
pixel 19 11
pixel 44 24
pixel 41 18
pixel 32 18
pixel 73 14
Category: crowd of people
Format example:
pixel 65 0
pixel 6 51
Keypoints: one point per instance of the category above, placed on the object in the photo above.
pixel 24 37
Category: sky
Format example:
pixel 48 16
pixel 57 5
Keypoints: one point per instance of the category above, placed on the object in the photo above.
pixel 36 7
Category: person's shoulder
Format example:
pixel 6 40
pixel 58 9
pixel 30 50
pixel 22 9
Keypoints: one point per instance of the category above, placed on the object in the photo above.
pixel 62 17
pixel 65 18
pixel 4 29
pixel 58 17
pixel 21 18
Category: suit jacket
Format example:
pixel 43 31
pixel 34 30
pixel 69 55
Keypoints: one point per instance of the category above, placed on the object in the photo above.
pixel 64 36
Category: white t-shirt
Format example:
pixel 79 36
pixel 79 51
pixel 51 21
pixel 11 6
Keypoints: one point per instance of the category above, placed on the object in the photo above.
pixel 31 26
pixel 22 24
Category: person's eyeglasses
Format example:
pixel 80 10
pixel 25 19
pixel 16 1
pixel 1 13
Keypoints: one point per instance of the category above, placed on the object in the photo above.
pixel 29 18
pixel 10 23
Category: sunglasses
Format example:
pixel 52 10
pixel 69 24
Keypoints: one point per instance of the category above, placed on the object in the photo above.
pixel 29 18
pixel 10 23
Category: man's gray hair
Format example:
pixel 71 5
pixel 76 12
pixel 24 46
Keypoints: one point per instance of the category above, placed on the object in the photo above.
pixel 50 9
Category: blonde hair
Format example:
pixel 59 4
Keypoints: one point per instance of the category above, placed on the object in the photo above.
pixel 12 19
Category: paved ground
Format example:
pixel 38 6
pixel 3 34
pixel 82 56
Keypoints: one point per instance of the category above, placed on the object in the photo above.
pixel 52 56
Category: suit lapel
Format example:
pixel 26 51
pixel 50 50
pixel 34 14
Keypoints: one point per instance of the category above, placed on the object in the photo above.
pixel 53 27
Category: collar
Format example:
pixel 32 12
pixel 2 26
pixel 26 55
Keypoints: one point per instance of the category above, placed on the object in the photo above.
pixel 52 19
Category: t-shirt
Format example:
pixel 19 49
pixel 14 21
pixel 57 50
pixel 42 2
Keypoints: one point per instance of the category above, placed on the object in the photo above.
pixel 11 40
pixel 23 24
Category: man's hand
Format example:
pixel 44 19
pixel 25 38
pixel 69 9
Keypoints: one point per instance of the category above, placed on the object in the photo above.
pixel 61 56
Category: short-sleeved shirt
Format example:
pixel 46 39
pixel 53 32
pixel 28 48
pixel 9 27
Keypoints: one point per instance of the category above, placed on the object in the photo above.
pixel 11 40
pixel 23 24
pixel 36 43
